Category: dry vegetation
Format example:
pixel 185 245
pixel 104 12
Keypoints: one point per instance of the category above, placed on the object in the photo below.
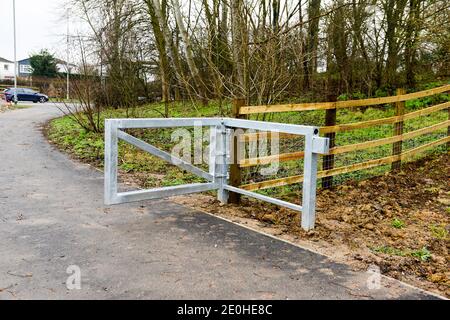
pixel 8 107
pixel 261 51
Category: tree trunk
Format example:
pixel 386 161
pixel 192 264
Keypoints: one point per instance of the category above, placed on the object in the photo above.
pixel 411 40
pixel 310 62
pixel 238 45
pixel 189 54
pixel 394 10
pixel 161 45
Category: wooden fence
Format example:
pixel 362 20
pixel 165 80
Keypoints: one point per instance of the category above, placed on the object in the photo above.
pixel 331 129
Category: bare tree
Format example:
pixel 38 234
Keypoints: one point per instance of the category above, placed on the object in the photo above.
pixel 263 51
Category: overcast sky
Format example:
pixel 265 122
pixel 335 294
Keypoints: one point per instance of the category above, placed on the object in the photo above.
pixel 40 24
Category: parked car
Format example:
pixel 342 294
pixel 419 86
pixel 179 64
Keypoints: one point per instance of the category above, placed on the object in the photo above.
pixel 25 94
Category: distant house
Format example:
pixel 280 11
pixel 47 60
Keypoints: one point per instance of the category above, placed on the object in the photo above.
pixel 6 69
pixel 25 69
pixel 61 66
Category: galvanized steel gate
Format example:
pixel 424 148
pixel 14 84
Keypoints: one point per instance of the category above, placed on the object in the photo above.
pixel 218 174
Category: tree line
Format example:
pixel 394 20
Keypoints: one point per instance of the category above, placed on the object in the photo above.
pixel 263 51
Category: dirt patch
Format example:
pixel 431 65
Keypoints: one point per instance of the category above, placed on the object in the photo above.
pixel 5 106
pixel 399 222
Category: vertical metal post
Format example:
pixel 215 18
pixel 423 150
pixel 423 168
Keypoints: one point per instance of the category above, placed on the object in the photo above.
pixel 67 58
pixel 235 169
pixel 398 131
pixel 309 185
pixel 212 151
pixel 218 165
pixel 328 160
pixel 448 131
pixel 111 155
pixel 15 53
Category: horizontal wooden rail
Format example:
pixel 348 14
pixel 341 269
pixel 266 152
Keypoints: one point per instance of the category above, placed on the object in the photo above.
pixel 269 159
pixel 389 120
pixel 348 148
pixel 383 161
pixel 341 104
pixel 384 141
pixel 265 135
pixel 337 171
pixel 354 126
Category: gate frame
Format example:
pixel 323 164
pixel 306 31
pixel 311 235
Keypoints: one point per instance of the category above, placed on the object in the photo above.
pixel 218 174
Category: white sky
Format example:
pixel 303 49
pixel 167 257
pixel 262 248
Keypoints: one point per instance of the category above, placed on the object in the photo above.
pixel 40 24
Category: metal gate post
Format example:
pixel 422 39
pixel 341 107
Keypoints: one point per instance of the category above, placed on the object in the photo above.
pixel 309 184
pixel 218 165
pixel 111 154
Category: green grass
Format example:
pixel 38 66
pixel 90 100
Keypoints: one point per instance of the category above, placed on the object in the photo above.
pixel 391 251
pixel 89 146
pixel 63 100
pixel 18 107
pixel 439 231
pixel 361 135
pixel 397 223
pixel 422 254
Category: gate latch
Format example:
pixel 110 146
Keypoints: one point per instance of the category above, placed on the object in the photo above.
pixel 321 145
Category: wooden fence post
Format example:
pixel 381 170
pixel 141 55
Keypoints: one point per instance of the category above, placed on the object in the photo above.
pixel 235 169
pixel 328 160
pixel 448 131
pixel 398 131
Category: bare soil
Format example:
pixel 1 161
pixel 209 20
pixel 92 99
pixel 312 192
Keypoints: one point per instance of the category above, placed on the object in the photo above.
pixel 399 222
pixel 5 107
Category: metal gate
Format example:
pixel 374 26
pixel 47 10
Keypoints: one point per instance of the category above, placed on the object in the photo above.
pixel 218 174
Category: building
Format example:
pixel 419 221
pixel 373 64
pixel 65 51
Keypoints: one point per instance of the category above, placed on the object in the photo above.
pixel 25 69
pixel 61 66
pixel 6 69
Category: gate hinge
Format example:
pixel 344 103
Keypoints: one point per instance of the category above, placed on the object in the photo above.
pixel 321 145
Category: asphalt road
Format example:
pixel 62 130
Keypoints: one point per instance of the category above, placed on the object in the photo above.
pixel 52 217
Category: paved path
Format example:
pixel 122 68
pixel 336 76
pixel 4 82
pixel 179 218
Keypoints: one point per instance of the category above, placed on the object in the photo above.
pixel 52 216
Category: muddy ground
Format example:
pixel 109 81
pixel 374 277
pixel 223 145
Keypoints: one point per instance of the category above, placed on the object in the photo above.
pixel 399 222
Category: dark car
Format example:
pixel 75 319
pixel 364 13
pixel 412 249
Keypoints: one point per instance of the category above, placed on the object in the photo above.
pixel 25 94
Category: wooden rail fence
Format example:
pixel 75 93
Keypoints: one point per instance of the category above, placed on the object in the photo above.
pixel 331 129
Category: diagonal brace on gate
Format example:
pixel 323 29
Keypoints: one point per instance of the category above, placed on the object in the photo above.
pixel 218 174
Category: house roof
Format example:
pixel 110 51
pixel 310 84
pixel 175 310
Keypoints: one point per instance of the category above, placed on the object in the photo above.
pixel 59 61
pixel 5 60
